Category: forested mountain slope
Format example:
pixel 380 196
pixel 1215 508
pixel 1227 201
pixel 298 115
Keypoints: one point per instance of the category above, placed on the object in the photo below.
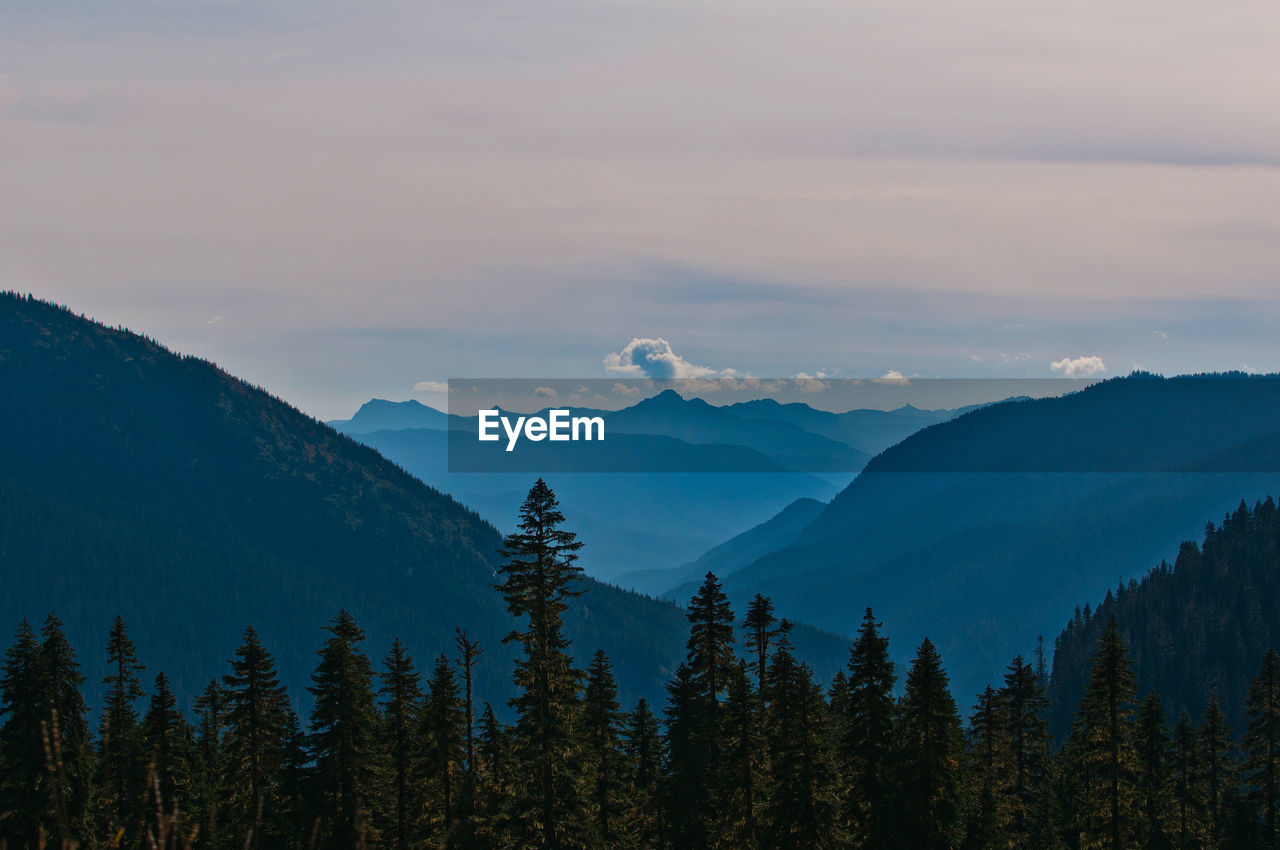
pixel 135 481
pixel 986 531
pixel 1196 628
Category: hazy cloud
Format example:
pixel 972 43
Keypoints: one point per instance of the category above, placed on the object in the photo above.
pixel 653 358
pixel 1078 367
pixel 545 392
pixel 893 377
pixel 431 387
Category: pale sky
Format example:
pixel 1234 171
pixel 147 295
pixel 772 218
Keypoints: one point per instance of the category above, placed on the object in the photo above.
pixel 340 200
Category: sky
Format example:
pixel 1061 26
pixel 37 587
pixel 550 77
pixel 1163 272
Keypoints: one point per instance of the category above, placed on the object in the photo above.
pixel 341 200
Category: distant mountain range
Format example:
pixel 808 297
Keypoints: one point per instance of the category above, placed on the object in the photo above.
pixel 985 531
pixel 739 465
pixel 732 555
pixel 381 415
pixel 138 482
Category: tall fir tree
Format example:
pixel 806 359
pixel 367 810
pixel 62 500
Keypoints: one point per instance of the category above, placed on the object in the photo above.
pixel 601 731
pixel 254 708
pixel 762 630
pixel 443 750
pixel 1218 767
pixel 210 710
pixel 539 577
pixel 987 816
pixel 402 698
pixel 1151 739
pixel 344 725
pixel 24 799
pixel 468 651
pixel 801 803
pixel 1103 761
pixel 294 819
pixel 65 729
pixel 709 664
pixel 492 782
pixel 1261 744
pixel 120 760
pixel 685 799
pixel 1186 786
pixel 865 737
pixel 737 795
pixel 643 747
pixel 169 748
pixel 931 744
pixel 1025 785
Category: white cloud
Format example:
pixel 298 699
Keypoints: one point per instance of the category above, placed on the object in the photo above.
pixel 213 321
pixel 894 377
pixel 1161 334
pixel 807 383
pixel 431 387
pixel 1079 367
pixel 654 358
pixel 545 392
pixel 625 389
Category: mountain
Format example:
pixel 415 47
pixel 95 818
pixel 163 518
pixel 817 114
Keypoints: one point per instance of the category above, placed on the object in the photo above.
pixel 139 482
pixel 732 555
pixel 628 521
pixel 984 531
pixel 868 431
pixel 381 415
pixel 693 420
pixel 1196 628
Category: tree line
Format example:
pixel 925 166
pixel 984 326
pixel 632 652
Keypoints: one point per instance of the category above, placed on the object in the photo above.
pixel 749 751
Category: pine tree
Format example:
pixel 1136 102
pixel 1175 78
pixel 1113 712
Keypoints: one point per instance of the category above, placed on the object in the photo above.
pixel 1101 752
pixel 865 739
pixel 344 723
pixel 1025 784
pixel 762 630
pixel 539 577
pixel 987 819
pixel 468 651
pixel 169 746
pixel 643 748
pixel 493 784
pixel 254 707
pixel 121 758
pixel 24 800
pixel 736 797
pixel 710 645
pixel 1186 791
pixel 710 663
pixel 65 728
pixel 444 749
pixel 801 805
pixel 684 796
pixel 1151 739
pixel 402 697
pixel 210 725
pixel 1217 766
pixel 294 820
pixel 601 721
pixel 931 749
pixel 1262 745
